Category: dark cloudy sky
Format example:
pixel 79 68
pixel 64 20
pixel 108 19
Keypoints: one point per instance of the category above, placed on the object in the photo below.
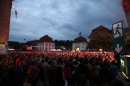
pixel 62 19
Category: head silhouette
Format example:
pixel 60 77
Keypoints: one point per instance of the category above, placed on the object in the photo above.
pixel 116 82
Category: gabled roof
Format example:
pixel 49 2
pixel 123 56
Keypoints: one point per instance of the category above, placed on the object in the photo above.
pixel 46 38
pixel 101 29
pixel 80 38
pixel 126 29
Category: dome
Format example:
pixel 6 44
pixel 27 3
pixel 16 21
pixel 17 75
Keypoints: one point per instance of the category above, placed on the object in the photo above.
pixel 46 38
pixel 80 38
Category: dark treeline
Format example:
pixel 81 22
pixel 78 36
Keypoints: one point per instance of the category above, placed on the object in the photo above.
pixel 58 44
pixel 66 43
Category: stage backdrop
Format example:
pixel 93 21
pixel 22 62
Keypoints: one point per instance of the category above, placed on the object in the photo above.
pixel 5 11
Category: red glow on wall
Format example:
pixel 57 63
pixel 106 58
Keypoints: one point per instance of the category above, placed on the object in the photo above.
pixel 126 4
pixel 28 47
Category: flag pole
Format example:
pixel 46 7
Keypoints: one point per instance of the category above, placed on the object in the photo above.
pixel 15 12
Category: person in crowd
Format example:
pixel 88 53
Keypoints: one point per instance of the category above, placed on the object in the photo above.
pixel 91 74
pixel 17 60
pixel 116 82
pixel 81 73
pixel 74 69
pixel 42 70
pixel 12 74
pixel 96 71
pixel 114 70
pixel 24 66
pixel 68 73
pixel 33 73
pixel 52 72
pixel 45 67
pixel 3 75
pixel 105 72
pixel 59 77
pixel 19 75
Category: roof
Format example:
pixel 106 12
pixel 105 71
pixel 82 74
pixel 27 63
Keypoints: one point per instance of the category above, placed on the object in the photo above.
pixel 33 42
pixel 46 38
pixel 101 29
pixel 126 29
pixel 80 38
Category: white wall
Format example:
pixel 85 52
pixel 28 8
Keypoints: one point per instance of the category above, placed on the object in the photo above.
pixel 45 45
pixel 81 45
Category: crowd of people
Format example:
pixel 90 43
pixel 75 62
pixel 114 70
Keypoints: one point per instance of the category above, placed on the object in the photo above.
pixel 63 68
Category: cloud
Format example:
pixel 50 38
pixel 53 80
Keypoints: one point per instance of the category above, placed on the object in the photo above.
pixel 62 19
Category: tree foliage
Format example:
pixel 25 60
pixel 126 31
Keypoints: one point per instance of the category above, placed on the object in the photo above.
pixel 65 43
pixel 101 41
pixel 106 42
pixel 127 40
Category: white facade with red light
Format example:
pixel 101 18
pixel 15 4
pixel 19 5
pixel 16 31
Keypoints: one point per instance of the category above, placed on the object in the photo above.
pixel 45 46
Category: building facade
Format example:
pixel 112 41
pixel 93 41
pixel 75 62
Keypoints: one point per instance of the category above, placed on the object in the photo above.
pixel 45 43
pixel 45 46
pixel 5 12
pixel 80 43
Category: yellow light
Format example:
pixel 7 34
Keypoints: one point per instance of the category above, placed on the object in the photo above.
pixel 100 50
pixel 77 49
pixel 2 45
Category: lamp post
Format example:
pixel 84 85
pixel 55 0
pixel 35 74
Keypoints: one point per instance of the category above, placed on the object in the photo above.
pixel 24 40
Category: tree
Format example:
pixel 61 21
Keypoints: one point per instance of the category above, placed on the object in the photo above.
pixel 67 44
pixel 56 42
pixel 101 41
pixel 18 46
